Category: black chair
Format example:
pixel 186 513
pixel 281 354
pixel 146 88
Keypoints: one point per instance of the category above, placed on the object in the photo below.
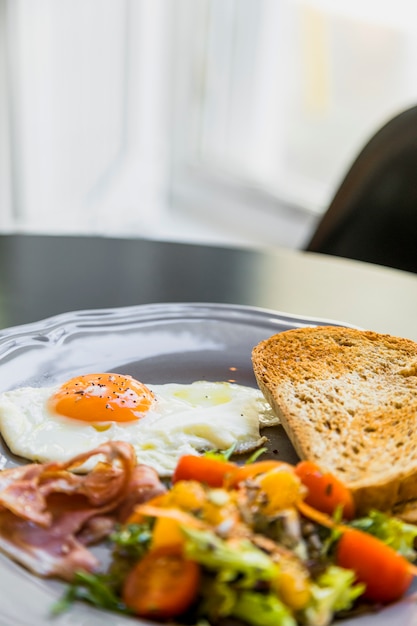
pixel 373 215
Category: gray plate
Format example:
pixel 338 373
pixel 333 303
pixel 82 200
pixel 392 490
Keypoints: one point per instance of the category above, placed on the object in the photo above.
pixel 156 344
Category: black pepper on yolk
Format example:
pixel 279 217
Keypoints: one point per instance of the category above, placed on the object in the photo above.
pixel 102 398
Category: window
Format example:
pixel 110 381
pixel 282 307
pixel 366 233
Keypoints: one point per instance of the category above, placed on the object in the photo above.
pixel 278 97
pixel 86 94
pixel 234 117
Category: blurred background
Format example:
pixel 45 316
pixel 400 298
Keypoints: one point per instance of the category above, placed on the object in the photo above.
pixel 216 121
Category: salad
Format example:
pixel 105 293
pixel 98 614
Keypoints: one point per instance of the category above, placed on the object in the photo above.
pixel 265 543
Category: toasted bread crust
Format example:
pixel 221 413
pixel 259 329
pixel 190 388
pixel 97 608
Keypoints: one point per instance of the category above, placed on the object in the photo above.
pixel 348 400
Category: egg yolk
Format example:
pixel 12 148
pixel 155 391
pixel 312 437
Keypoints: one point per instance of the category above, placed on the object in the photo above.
pixel 102 398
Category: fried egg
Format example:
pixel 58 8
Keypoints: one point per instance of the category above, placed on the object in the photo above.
pixel 161 422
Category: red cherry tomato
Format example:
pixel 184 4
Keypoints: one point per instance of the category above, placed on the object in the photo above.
pixel 325 492
pixel 204 469
pixel 386 574
pixel 162 585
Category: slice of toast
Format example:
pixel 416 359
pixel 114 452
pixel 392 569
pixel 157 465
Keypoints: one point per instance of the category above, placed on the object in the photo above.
pixel 348 401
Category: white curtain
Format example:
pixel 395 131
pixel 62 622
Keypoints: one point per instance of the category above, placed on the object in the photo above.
pixel 143 116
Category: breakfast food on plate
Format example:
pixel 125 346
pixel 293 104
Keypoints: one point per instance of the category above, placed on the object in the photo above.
pixel 48 514
pixel 258 543
pixel 162 422
pixel 241 543
pixel 347 399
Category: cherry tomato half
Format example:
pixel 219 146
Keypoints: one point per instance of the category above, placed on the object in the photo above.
pixel 386 574
pixel 162 585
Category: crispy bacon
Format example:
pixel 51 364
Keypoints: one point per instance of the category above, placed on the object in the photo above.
pixel 48 514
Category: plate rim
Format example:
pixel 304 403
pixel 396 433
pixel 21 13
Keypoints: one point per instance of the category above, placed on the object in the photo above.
pixel 107 313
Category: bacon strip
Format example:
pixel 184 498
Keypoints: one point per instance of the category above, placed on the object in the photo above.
pixel 48 514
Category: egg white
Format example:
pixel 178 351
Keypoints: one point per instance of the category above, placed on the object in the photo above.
pixel 185 419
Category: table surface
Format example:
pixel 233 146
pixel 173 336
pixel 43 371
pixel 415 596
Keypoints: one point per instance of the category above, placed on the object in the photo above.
pixel 43 275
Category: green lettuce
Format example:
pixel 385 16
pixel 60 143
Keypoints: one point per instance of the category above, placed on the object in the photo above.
pixel 237 581
pixel 260 609
pixel 96 589
pixel 221 599
pixel 391 530
pixel 243 558
pixel 334 590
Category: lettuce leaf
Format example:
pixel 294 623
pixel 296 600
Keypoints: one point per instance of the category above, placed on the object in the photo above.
pixel 237 584
pixel 335 590
pixel 96 589
pixel 241 558
pixel 260 609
